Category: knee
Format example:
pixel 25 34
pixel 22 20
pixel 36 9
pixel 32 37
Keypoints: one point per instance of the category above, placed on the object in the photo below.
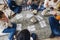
pixel 51 18
pixel 14 25
pixel 11 35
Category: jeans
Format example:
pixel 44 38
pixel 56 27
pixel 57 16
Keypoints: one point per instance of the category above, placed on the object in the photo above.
pixel 34 36
pixel 55 26
pixel 14 7
pixel 11 31
pixel 41 7
pixel 34 6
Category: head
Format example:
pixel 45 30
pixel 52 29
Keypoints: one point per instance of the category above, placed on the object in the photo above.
pixel 49 0
pixel 55 0
pixel 2 16
pixel 24 35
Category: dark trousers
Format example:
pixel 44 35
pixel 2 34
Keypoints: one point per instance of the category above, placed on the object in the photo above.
pixel 14 7
pixel 34 6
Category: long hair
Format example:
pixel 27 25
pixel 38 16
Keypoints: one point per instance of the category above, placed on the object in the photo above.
pixel 24 35
pixel 1 13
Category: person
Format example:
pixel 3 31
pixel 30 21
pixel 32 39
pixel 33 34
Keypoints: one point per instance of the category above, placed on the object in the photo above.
pixel 49 4
pixel 54 21
pixel 25 35
pixel 34 3
pixel 3 17
pixel 15 6
pixel 6 26
pixel 41 5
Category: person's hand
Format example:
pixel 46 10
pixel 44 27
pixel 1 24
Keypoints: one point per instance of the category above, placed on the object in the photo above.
pixel 29 2
pixel 47 5
pixel 10 25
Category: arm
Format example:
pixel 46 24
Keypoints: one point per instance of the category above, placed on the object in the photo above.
pixel 29 2
pixel 41 1
pixel 5 4
pixel 46 3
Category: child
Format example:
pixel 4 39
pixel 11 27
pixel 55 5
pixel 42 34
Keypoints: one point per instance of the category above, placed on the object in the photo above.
pixel 6 26
pixel 15 6
pixel 35 3
pixel 49 4
pixel 55 21
pixel 25 35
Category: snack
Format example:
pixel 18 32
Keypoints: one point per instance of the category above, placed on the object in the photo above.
pixel 33 20
pixel 35 12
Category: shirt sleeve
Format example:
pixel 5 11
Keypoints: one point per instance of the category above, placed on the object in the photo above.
pixel 8 12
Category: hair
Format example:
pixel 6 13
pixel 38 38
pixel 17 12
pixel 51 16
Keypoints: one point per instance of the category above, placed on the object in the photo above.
pixel 34 0
pixel 1 13
pixel 59 9
pixel 49 0
pixel 24 35
pixel 55 0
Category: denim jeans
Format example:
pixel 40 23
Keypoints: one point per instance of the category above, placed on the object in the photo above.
pixel 55 26
pixel 34 36
pixel 34 6
pixel 11 31
pixel 14 7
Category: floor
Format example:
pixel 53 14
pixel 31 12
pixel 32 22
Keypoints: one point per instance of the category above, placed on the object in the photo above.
pixel 41 28
pixel 23 22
